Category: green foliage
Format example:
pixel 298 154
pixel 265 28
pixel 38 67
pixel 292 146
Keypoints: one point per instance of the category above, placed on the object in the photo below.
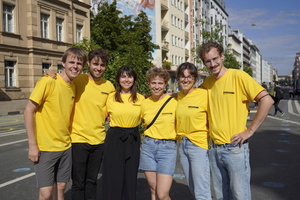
pixel 248 70
pixel 167 65
pixel 127 40
pixel 214 34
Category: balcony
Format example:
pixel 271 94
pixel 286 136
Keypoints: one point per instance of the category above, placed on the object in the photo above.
pixel 187 53
pixel 164 5
pixel 165 45
pixel 164 25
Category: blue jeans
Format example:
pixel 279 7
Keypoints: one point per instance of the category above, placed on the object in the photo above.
pixel 158 155
pixel 195 164
pixel 230 171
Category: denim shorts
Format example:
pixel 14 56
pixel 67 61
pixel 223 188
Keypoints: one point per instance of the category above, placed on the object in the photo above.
pixel 158 155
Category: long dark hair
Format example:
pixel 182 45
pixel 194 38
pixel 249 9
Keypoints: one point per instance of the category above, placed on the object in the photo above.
pixel 126 69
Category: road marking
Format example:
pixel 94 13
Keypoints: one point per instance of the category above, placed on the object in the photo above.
pixel 16 180
pixel 12 132
pixel 15 142
pixel 290 108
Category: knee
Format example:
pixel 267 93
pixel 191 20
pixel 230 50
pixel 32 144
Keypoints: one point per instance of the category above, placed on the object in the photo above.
pixel 163 195
pixel 45 194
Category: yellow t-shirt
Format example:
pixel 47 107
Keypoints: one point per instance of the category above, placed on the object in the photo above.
pixel 228 99
pixel 52 118
pixel 164 126
pixel 126 114
pixel 89 113
pixel 191 117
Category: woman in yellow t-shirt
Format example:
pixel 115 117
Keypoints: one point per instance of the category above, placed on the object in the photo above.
pixel 158 152
pixel 191 126
pixel 122 143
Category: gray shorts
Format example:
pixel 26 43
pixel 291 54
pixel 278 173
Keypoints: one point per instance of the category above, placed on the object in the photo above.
pixel 53 167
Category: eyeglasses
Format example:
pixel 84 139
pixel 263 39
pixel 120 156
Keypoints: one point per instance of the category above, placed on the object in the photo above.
pixel 214 60
pixel 187 77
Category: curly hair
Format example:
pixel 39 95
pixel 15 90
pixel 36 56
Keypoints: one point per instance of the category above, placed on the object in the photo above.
pixel 160 72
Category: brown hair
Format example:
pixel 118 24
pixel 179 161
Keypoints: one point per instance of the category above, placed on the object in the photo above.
pixel 160 72
pixel 126 69
pixel 189 66
pixel 206 47
pixel 77 52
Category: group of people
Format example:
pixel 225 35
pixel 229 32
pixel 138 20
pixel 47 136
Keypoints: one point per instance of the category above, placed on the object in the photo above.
pixel 209 123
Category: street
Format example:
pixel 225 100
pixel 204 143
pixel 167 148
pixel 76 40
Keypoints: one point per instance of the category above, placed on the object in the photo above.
pixel 274 157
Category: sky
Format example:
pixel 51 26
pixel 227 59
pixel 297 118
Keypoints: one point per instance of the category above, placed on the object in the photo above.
pixel 276 32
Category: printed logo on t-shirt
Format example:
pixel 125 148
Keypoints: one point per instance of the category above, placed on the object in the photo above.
pixel 193 107
pixel 226 92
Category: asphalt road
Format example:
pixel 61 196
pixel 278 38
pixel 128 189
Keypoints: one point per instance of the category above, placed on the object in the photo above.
pixel 274 156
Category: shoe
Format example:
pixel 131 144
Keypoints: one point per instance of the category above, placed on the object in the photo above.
pixel 282 114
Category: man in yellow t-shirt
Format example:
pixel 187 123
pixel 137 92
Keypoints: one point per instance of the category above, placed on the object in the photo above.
pixel 87 130
pixel 47 120
pixel 229 91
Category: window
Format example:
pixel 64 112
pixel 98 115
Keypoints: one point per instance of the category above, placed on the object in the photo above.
pixel 45 67
pixel 8 18
pixel 10 74
pixel 60 68
pixel 78 33
pixel 59 29
pixel 44 25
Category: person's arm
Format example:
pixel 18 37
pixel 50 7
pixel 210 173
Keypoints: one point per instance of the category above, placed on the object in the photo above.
pixel 265 104
pixel 29 112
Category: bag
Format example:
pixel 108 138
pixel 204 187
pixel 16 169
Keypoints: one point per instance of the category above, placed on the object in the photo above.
pixel 279 94
pixel 159 111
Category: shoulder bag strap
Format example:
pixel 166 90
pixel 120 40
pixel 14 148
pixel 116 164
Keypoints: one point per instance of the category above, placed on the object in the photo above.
pixel 162 107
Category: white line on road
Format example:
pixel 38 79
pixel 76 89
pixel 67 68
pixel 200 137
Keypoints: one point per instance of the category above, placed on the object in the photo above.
pixel 290 108
pixel 12 132
pixel 16 180
pixel 15 142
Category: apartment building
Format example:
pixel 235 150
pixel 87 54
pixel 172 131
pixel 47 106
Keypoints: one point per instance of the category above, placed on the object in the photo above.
pixel 33 36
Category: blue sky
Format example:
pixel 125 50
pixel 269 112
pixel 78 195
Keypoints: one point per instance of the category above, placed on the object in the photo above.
pixel 276 32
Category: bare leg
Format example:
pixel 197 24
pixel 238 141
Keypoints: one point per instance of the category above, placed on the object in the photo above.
pixel 163 186
pixel 45 193
pixel 151 178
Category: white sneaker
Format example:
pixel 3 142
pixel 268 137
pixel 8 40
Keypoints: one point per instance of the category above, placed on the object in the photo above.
pixel 282 114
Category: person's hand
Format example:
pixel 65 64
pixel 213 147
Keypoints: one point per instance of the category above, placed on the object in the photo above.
pixel 241 137
pixel 50 73
pixel 33 153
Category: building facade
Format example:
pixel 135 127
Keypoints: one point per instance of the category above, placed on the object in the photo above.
pixel 33 36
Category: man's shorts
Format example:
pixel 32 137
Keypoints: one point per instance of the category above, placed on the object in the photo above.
pixel 53 167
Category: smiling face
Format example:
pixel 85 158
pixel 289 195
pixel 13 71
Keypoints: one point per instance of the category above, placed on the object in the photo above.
pixel 97 68
pixel 214 62
pixel 73 67
pixel 126 83
pixel 186 80
pixel 157 86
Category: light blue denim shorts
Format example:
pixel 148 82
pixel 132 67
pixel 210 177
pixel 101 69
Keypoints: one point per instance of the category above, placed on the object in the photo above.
pixel 158 155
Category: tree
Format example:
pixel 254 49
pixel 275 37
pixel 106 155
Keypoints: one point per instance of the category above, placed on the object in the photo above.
pixel 214 34
pixel 127 40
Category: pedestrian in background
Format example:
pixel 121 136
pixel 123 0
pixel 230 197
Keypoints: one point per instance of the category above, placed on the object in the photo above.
pixel 158 151
pixel 229 91
pixel 292 92
pixel 122 143
pixel 47 120
pixel 192 127
pixel 278 95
